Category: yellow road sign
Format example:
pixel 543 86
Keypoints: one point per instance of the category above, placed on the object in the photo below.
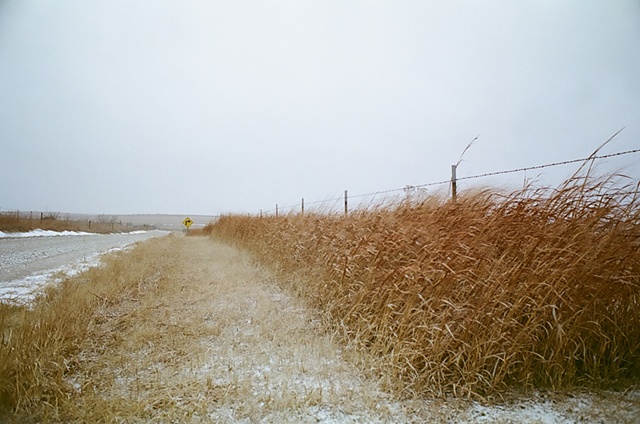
pixel 187 222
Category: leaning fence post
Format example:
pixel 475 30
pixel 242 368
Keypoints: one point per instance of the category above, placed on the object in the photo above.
pixel 454 188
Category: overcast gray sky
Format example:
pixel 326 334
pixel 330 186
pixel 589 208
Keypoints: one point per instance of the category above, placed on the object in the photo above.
pixel 202 107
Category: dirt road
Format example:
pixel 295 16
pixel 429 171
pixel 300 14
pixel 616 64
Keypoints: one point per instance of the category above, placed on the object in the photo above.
pixel 214 339
pixel 220 342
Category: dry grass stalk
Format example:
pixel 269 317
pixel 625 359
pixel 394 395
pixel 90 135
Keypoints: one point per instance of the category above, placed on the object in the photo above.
pixel 535 289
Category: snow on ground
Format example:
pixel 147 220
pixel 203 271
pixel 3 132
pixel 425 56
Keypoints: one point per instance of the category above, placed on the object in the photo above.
pixel 44 233
pixel 24 290
pixel 31 260
pixel 224 343
pixel 51 233
pixel 523 412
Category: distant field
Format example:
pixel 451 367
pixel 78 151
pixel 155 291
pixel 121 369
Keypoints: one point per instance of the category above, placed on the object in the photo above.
pixel 58 221
pixel 168 222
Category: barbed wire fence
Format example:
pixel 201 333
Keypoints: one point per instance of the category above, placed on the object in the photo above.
pixel 331 203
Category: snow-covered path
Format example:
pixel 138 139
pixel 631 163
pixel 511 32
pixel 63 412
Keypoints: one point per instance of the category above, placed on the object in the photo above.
pixel 27 260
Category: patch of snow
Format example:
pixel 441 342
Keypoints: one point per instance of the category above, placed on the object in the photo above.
pixel 529 412
pixel 47 233
pixel 24 290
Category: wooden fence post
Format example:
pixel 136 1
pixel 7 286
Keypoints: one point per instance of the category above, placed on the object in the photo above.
pixel 346 206
pixel 454 188
pixel 276 210
pixel 302 210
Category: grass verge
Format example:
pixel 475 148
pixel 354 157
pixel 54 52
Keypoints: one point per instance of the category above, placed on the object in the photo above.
pixel 39 342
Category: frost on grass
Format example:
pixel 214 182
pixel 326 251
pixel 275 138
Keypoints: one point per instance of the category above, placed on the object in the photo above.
pixel 222 342
pixel 214 339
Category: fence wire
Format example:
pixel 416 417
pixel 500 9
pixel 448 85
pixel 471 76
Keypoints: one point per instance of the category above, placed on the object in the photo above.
pixel 335 200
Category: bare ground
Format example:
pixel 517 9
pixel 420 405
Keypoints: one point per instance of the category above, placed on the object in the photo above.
pixel 213 338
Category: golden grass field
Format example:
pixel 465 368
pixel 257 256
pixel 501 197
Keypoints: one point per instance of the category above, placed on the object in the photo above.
pixel 536 289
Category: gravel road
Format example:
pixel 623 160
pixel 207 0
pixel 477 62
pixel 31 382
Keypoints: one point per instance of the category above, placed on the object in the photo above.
pixel 26 263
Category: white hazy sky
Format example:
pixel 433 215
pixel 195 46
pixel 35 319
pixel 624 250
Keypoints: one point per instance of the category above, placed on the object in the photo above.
pixel 202 107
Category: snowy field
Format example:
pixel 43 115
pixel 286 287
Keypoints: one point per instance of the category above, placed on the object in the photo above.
pixel 30 260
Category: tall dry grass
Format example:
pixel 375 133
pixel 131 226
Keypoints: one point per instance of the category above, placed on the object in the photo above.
pixel 539 288
pixel 39 342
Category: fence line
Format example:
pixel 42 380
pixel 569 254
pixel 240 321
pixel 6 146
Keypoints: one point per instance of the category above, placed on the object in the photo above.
pixel 453 180
pixel 566 162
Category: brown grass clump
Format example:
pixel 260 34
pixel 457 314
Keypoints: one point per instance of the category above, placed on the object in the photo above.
pixel 539 288
pixel 39 342
pixel 199 232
